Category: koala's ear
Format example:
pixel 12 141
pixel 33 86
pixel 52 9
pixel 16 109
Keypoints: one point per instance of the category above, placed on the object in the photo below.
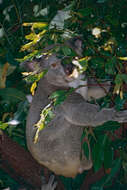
pixel 78 43
pixel 28 66
pixel 78 46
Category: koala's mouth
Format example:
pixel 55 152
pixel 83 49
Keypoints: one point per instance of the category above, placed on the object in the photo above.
pixel 75 73
pixel 71 67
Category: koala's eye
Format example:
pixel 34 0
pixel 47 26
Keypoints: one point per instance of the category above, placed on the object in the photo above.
pixel 54 65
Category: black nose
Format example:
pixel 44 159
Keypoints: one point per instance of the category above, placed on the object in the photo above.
pixel 68 68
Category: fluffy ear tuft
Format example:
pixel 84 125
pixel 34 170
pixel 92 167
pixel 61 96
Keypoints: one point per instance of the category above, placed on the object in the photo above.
pixel 76 45
pixel 32 66
pixel 28 66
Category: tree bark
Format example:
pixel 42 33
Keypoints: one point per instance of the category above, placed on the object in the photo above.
pixel 20 165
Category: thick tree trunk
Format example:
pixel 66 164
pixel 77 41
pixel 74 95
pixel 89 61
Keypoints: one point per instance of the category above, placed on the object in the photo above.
pixel 20 165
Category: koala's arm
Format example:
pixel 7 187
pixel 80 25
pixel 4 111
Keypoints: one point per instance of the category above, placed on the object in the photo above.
pixel 79 112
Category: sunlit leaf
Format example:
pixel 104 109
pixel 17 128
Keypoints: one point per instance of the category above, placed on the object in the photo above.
pixel 118 83
pixel 36 24
pixel 29 56
pixel 30 36
pixel 84 62
pixel 27 46
pixel 42 33
pixel 33 87
pixel 3 125
pixel 39 25
pixel 123 58
pixel 45 117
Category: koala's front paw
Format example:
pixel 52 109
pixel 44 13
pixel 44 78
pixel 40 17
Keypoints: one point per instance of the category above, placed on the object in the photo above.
pixel 51 184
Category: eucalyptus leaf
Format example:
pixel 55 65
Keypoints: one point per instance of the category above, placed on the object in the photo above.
pixel 66 50
pixel 108 157
pixel 86 11
pixel 108 126
pixel 12 95
pixel 114 170
pixel 97 156
pixel 3 125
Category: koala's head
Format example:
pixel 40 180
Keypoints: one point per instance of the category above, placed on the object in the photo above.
pixel 60 71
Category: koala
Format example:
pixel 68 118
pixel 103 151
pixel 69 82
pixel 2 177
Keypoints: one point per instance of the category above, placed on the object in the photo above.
pixel 59 143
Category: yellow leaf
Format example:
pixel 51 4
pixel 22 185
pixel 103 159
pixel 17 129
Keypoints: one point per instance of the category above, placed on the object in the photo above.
pixel 121 94
pixel 117 89
pixel 42 33
pixel 33 87
pixel 30 36
pixel 42 125
pixel 36 136
pixel 27 24
pixel 27 46
pixel 39 25
pixel 123 58
pixel 87 58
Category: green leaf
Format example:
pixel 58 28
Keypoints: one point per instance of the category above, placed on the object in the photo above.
pixel 86 12
pixel 3 125
pixel 12 95
pixel 124 77
pixel 97 155
pixel 114 170
pixel 119 103
pixel 86 150
pixel 60 95
pixel 119 143
pixel 118 79
pixel 108 126
pixel 110 66
pixel 108 157
pixel 66 50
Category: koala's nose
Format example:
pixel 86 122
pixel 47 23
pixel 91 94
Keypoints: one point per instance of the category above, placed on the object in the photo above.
pixel 68 68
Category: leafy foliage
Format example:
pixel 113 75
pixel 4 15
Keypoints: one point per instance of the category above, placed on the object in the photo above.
pixel 26 28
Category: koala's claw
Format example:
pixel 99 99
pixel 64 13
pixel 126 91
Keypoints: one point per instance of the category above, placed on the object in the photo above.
pixel 51 185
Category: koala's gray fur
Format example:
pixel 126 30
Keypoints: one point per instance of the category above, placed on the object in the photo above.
pixel 59 145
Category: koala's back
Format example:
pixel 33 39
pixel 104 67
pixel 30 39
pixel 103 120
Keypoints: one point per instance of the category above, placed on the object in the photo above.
pixel 58 146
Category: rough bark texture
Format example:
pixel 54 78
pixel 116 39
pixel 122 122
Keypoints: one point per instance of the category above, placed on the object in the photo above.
pixel 91 178
pixel 20 165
